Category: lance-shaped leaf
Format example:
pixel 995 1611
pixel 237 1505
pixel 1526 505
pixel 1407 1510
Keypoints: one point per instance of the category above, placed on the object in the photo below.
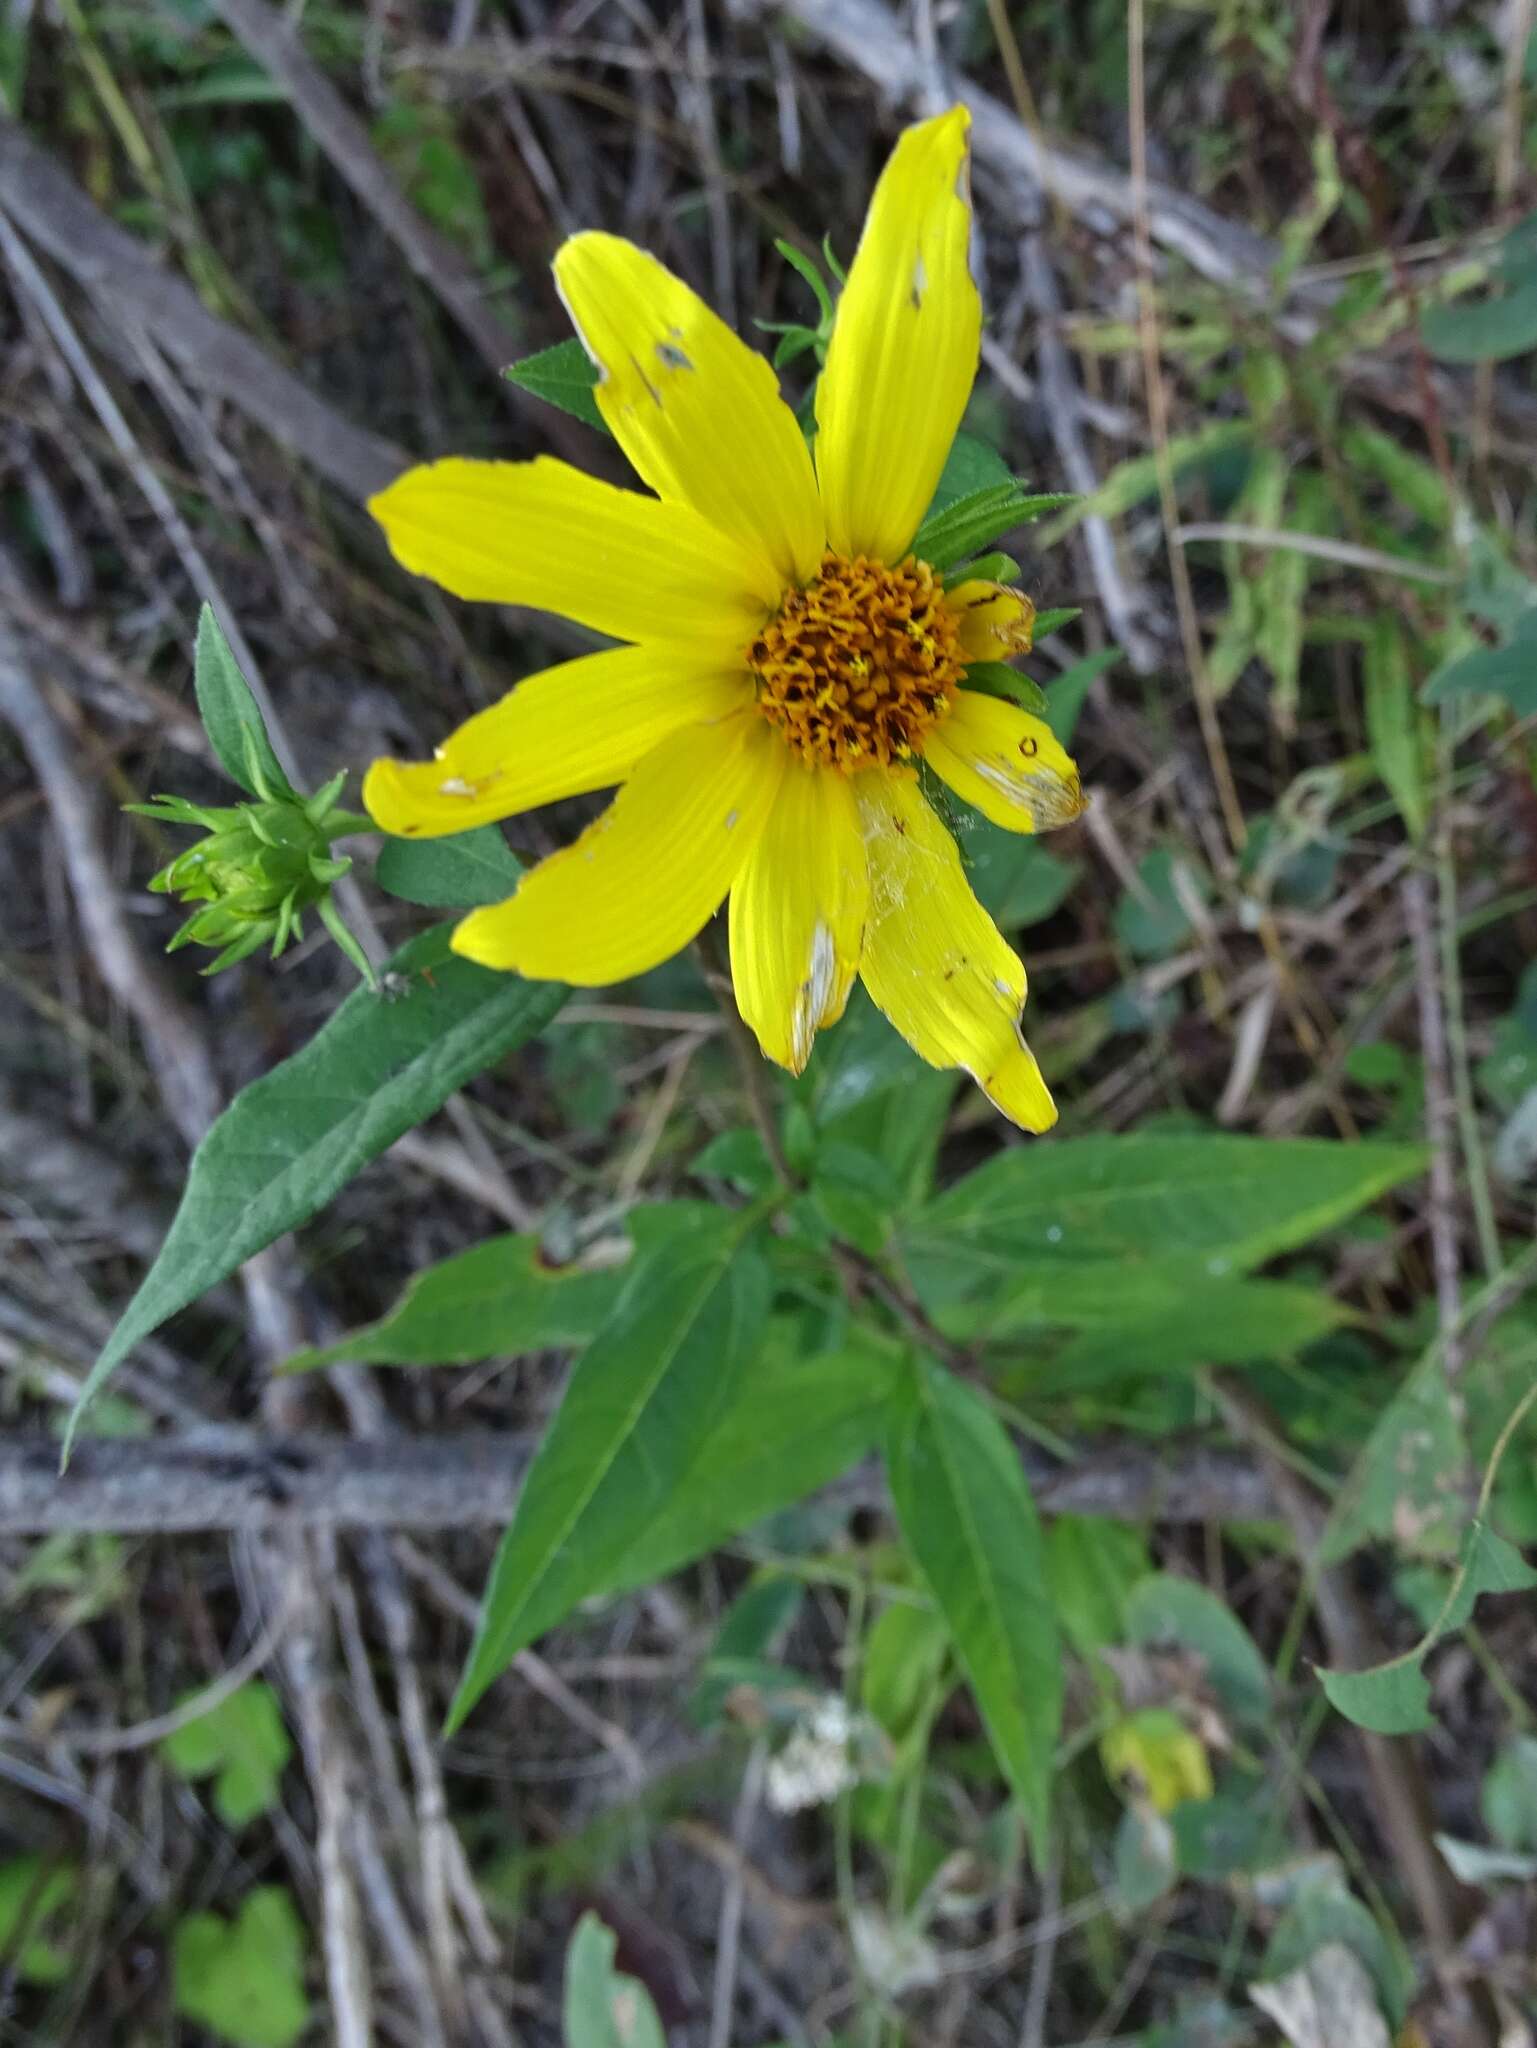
pixel 969 1521
pixel 1080 1225
pixel 640 1403
pixel 288 1142
pixel 231 715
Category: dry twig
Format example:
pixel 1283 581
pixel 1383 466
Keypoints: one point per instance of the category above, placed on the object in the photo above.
pixel 125 280
pixel 238 1479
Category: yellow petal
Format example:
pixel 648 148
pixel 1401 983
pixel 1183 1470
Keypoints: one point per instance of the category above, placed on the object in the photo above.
pixel 934 961
pixel 995 621
pixel 541 533
pixel 697 411
pixel 904 348
pixel 642 880
pixel 798 914
pixel 1006 762
pixel 580 726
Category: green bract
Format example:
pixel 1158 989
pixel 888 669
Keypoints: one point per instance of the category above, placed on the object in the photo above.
pixel 261 865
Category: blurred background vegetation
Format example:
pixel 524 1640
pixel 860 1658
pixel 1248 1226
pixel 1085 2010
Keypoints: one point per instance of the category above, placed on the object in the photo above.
pixel 1262 290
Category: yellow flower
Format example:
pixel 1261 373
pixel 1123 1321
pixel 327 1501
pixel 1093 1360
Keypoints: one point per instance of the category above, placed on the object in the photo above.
pixel 789 660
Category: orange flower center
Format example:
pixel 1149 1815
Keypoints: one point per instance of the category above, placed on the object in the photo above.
pixel 855 668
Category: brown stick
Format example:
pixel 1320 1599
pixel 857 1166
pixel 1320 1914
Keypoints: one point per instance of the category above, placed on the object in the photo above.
pixel 869 39
pixel 285 1558
pixel 273 40
pixel 171 1039
pixel 240 1479
pixel 325 116
pixel 124 278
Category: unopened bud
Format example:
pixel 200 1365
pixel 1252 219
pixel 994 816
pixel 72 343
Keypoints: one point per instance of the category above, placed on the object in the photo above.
pixel 260 866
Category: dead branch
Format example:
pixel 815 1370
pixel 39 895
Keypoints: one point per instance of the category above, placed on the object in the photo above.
pixel 71 1172
pixel 866 36
pixel 122 276
pixel 273 40
pixel 238 1479
pixel 281 1555
pixel 172 1040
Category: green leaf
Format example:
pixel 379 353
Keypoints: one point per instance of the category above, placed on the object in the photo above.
pixel 1090 1563
pixel 738 1156
pixel 1152 924
pixel 1179 1613
pixel 968 1520
pixel 1508 1798
pixel 499 1299
pixel 1240 1828
pixel 870 1089
pixel 1394 1698
pixel 1020 881
pixel 1222 1322
pixel 972 465
pixel 1322 1912
pixel 1472 1863
pixel 1487 1564
pixel 641 1401
pixel 956 529
pixel 243 1739
pixel 904 1655
pixel 1407 1484
pixel 753 1625
pixel 852 1170
pixel 793 1425
pixel 288 1142
pixel 1392 721
pixel 992 568
pixel 35 1895
pixel 1133 482
pixel 1201 1204
pixel 564 375
pixel 997 679
pixel 1280 596
pixel 1065 698
pixel 1144 1859
pixel 243 1979
pixel 228 82
pixel 1410 480
pixel 1053 620
pixel 602 2008
pixel 469 868
pixel 1508 672
pixel 418 143
pixel 807 271
pixel 230 714
pixel 1486 331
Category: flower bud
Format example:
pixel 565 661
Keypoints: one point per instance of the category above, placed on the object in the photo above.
pixel 259 867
